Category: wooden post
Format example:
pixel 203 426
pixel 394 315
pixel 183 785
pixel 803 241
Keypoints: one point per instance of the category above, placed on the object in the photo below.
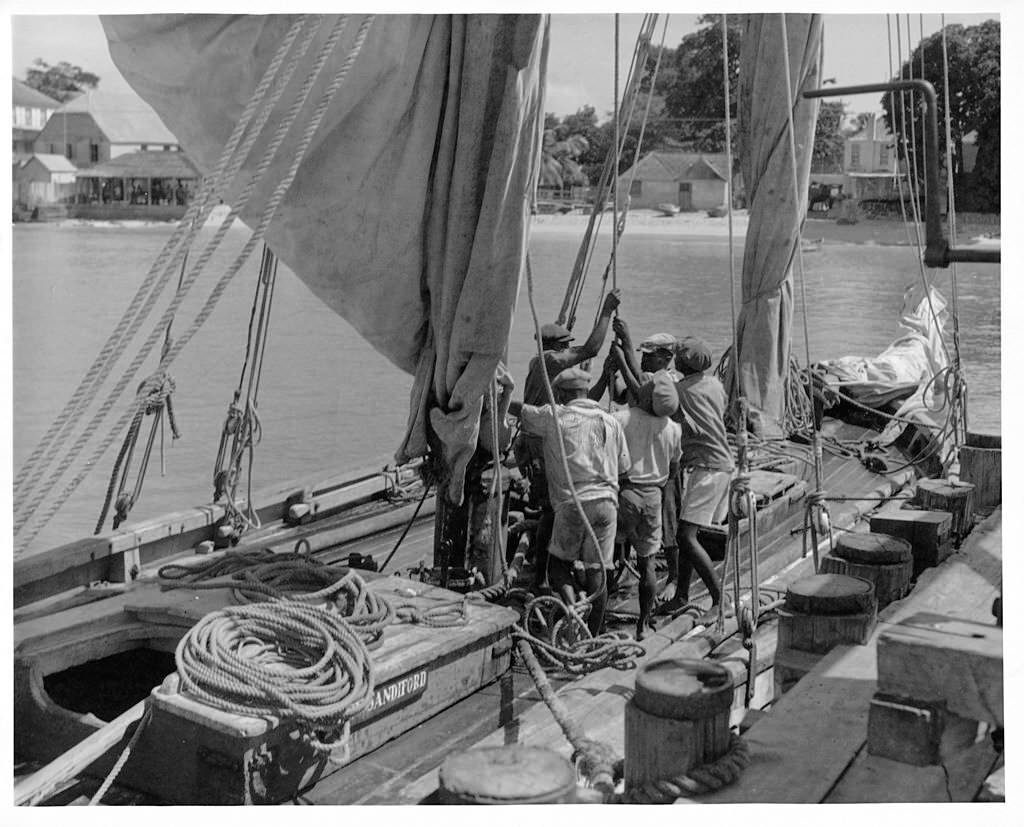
pixel 981 464
pixel 677 719
pixel 821 611
pixel 513 774
pixel 886 561
pixel 955 497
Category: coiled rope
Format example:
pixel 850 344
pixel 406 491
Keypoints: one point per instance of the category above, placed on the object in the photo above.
pixel 260 576
pixel 696 781
pixel 302 663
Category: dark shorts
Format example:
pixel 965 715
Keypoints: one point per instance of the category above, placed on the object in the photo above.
pixel 640 518
pixel 570 540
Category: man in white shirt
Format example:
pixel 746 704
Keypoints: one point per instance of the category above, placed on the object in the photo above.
pixel 596 455
pixel 655 446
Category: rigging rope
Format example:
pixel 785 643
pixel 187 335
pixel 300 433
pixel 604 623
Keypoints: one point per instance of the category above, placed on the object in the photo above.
pixel 951 213
pixel 242 427
pixel 268 213
pixel 618 149
pixel 141 305
pixel 791 132
pixel 574 289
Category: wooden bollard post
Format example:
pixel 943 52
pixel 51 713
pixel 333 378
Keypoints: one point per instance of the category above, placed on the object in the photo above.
pixel 514 774
pixel 955 497
pixel 886 561
pixel 821 611
pixel 981 464
pixel 677 719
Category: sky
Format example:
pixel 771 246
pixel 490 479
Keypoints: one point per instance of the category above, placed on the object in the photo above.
pixel 580 65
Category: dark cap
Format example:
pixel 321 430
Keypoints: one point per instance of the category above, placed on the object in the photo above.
pixel 658 394
pixel 572 379
pixel 693 354
pixel 555 333
pixel 658 342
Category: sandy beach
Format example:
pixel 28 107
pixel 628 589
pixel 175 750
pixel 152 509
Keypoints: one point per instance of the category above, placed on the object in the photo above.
pixel 648 222
pixel 816 230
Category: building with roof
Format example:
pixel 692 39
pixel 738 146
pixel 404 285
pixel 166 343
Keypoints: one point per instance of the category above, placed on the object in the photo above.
pixel 870 162
pixel 30 109
pixel 97 126
pixel 688 180
pixel 43 180
pixel 145 178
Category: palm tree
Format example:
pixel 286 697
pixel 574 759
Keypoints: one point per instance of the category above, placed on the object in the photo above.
pixel 559 167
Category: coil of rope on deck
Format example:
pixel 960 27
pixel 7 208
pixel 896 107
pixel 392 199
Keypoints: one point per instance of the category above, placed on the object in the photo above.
pixel 299 662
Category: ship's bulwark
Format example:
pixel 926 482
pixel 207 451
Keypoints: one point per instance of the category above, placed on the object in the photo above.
pixel 776 211
pixel 409 215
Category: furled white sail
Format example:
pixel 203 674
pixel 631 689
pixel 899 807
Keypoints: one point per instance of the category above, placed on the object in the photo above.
pixel 409 215
pixel 776 211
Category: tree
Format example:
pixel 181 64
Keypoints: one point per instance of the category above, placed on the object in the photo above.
pixel 61 82
pixel 827 156
pixel 559 165
pixel 974 106
pixel 694 87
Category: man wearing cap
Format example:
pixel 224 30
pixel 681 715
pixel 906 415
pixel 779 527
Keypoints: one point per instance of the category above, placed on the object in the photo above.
pixel 654 443
pixel 596 455
pixel 708 465
pixel 558 356
pixel 656 360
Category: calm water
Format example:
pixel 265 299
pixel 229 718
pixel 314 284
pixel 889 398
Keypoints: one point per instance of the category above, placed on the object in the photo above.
pixel 329 403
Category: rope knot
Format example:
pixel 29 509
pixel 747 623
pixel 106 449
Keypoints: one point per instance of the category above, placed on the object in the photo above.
pixel 741 496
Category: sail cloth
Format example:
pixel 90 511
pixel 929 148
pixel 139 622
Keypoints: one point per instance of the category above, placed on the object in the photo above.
pixel 776 214
pixel 409 215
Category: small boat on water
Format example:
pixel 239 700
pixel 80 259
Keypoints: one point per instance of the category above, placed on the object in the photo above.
pixel 216 609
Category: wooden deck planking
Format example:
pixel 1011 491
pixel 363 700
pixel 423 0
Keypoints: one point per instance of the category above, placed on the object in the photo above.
pixel 597 704
pixel 829 707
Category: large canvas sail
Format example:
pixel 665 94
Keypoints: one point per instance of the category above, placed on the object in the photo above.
pixel 776 211
pixel 409 214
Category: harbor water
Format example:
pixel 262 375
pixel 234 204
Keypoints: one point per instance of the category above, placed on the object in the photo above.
pixel 329 403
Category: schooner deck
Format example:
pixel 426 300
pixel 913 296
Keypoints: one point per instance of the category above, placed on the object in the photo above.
pixel 403 770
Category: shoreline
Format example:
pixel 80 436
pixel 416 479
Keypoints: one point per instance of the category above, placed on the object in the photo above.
pixel 688 225
pixel 868 231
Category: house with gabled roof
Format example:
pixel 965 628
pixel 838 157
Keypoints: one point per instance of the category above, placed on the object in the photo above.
pixel 97 126
pixel 30 109
pixel 688 180
pixel 43 180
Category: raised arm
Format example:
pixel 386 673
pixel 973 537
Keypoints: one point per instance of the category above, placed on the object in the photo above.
pixel 589 349
pixel 632 383
pixel 606 380
pixel 622 332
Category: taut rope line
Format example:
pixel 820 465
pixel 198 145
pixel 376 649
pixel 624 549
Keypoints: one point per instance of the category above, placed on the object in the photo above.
pixel 177 245
pixel 257 235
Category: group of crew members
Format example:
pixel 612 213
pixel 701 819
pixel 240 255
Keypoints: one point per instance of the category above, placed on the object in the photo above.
pixel 648 476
